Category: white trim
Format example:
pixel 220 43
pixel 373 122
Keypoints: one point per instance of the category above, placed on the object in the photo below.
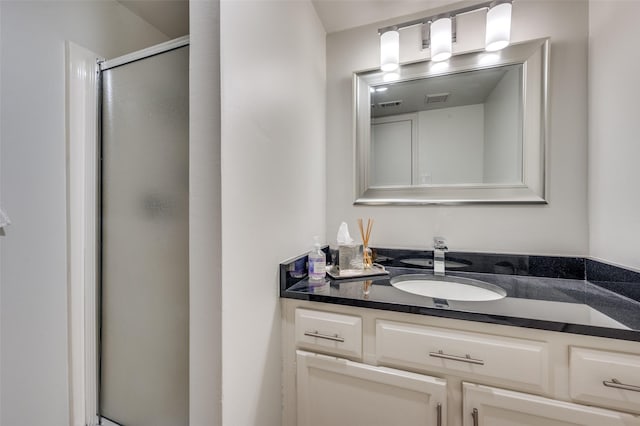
pixel 145 53
pixel 82 142
pixel 106 422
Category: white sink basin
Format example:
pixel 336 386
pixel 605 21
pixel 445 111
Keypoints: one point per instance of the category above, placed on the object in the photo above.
pixel 448 287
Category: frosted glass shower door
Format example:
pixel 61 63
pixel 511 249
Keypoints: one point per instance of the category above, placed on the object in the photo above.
pixel 144 350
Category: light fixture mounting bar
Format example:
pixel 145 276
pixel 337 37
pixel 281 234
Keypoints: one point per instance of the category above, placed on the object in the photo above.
pixel 449 14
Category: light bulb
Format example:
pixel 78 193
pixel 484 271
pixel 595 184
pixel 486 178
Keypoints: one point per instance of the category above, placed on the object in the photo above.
pixel 441 39
pixel 389 50
pixel 498 34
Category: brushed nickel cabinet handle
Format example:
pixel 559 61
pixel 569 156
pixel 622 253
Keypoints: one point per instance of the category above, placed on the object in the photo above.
pixel 439 414
pixel 615 383
pixel 467 358
pixel 335 337
pixel 474 414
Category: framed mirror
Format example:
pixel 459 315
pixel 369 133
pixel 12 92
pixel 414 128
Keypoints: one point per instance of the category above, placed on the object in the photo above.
pixel 469 130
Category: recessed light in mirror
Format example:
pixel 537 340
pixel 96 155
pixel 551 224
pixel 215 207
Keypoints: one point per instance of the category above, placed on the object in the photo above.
pixel 381 89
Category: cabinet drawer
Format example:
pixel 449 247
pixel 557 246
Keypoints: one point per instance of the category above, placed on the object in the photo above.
pixel 328 332
pixel 593 375
pixel 515 362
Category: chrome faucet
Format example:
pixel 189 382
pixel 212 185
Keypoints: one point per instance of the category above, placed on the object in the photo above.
pixel 439 248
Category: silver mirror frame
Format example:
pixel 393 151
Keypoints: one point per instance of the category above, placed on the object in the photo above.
pixel 534 56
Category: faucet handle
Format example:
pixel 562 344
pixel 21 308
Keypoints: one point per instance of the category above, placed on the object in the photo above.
pixel 439 243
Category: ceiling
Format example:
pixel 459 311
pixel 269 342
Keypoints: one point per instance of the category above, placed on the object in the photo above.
pixel 467 88
pixel 171 17
pixel 338 15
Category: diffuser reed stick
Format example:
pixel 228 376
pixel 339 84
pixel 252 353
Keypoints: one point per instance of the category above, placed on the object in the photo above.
pixel 367 258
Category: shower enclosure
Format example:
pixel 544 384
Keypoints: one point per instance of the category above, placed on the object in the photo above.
pixel 144 300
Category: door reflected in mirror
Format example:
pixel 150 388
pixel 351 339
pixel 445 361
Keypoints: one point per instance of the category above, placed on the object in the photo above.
pixel 457 129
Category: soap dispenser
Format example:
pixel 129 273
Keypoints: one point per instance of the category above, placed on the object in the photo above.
pixel 317 262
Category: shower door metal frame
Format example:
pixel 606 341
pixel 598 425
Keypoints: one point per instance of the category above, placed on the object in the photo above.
pixel 144 53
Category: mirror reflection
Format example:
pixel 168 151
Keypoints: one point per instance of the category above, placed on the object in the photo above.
pixel 471 131
pixel 455 129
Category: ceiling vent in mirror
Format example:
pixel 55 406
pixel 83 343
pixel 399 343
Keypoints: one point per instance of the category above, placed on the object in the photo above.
pixel 389 104
pixel 436 98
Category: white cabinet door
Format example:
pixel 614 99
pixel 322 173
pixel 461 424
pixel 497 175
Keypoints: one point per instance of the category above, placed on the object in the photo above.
pixel 337 392
pixel 488 406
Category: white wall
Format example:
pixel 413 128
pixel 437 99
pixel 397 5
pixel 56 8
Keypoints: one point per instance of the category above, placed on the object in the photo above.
pixel 444 132
pixel 503 137
pixel 273 186
pixel 205 260
pixel 614 66
pixel 33 275
pixel 557 228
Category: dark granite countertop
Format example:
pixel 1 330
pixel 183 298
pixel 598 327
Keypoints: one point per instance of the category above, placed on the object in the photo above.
pixel 570 304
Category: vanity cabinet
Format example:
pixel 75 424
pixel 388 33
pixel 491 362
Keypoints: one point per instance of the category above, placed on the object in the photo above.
pixel 333 390
pixel 356 366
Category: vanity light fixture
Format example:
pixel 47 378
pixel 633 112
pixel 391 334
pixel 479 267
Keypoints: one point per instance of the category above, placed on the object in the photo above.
pixel 389 50
pixel 439 32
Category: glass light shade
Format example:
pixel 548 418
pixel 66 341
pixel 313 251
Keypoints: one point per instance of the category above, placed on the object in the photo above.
pixel 389 51
pixel 441 39
pixel 498 34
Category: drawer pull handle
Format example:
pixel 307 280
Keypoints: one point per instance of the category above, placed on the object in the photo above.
pixel 439 414
pixel 474 414
pixel 315 333
pixel 466 358
pixel 615 383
